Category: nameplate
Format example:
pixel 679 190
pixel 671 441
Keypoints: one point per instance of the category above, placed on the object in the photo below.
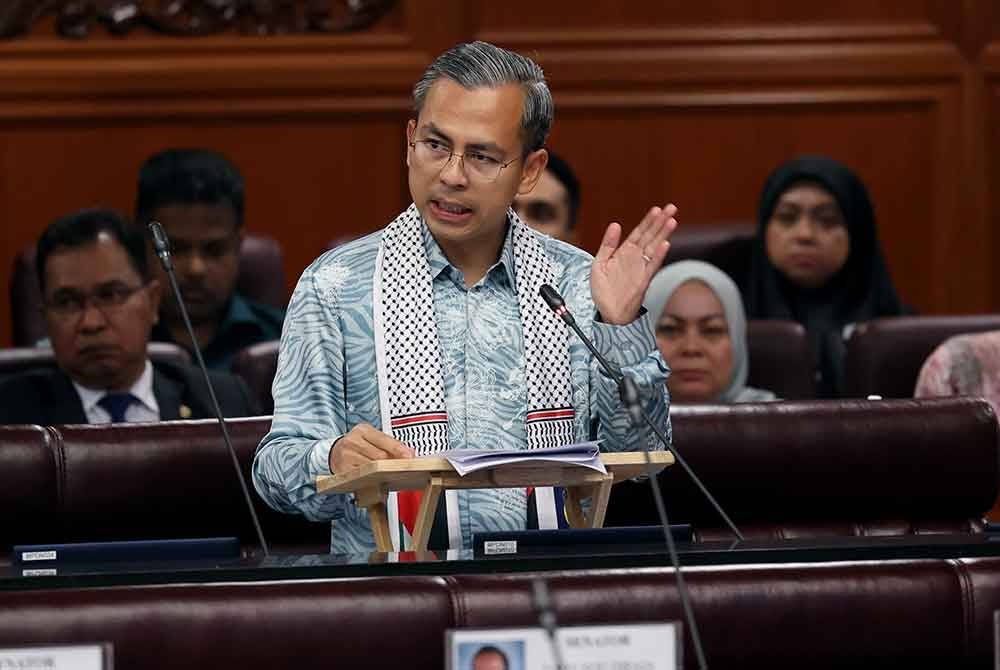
pixel 499 547
pixel 650 646
pixel 69 657
pixel 47 555
pixel 39 572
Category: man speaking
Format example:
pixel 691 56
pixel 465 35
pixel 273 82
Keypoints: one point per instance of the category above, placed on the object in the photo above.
pixel 430 333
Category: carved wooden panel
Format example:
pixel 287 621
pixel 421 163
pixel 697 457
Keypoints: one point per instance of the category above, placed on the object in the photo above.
pixel 79 18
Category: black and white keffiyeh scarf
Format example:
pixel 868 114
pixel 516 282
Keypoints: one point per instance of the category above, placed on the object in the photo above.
pixel 408 354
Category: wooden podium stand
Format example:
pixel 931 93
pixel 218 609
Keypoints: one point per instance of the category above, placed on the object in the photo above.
pixel 372 482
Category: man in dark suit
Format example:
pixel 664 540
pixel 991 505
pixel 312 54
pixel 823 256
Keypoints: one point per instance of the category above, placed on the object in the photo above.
pixel 100 306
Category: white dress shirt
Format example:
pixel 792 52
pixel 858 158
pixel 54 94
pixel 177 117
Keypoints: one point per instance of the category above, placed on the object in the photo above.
pixel 146 409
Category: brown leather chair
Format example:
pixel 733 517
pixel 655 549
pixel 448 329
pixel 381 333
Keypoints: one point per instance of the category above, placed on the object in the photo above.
pixel 29 496
pixel 15 360
pixel 257 365
pixel 917 614
pixel 168 480
pixel 262 271
pixel 827 467
pixel 781 359
pixel 884 356
pixel 261 278
pixel 725 245
pixel 361 623
pixel 823 616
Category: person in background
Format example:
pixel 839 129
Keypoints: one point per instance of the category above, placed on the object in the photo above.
pixel 100 305
pixel 701 331
pixel 963 365
pixel 551 207
pixel 817 259
pixel 197 196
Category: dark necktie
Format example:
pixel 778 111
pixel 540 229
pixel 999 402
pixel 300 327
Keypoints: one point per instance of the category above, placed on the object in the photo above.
pixel 116 404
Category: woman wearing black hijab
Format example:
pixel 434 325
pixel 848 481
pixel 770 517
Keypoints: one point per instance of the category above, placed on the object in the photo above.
pixel 817 259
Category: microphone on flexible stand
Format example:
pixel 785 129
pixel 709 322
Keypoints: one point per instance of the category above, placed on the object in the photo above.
pixel 161 245
pixel 541 602
pixel 629 393
pixel 558 305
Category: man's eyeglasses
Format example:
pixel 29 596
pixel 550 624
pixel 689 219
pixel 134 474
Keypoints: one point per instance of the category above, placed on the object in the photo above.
pixel 479 166
pixel 68 304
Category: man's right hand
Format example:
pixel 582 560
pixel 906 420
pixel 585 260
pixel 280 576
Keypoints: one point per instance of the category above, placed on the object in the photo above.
pixel 365 443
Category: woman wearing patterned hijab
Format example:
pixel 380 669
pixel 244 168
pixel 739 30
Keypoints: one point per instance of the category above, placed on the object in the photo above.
pixel 701 332
pixel 817 259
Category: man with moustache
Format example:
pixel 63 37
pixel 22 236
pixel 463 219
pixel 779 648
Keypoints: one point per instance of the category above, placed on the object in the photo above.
pixel 100 305
pixel 430 334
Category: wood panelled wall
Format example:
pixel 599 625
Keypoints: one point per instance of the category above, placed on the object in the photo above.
pixel 656 100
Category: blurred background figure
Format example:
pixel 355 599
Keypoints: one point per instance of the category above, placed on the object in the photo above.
pixel 198 197
pixel 963 365
pixel 552 206
pixel 817 259
pixel 701 332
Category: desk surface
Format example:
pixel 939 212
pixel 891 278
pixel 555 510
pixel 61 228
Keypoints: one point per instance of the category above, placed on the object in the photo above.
pixel 325 566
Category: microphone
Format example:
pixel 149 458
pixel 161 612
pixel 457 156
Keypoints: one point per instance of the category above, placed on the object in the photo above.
pixel 558 305
pixel 629 392
pixel 541 602
pixel 161 245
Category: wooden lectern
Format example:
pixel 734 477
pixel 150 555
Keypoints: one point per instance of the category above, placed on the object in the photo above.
pixel 372 482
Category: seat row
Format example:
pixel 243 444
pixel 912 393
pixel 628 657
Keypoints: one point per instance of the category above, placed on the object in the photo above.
pixel 862 615
pixel 806 468
pixel 884 356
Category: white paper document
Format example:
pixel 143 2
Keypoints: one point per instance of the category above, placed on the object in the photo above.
pixel 465 461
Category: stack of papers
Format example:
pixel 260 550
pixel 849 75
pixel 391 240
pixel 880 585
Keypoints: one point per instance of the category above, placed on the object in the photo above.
pixel 465 461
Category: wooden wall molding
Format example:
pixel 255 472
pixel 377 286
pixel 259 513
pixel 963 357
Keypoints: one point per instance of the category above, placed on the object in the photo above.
pixel 752 63
pixel 713 35
pixel 305 76
pixel 793 96
pixel 96 81
pixel 78 19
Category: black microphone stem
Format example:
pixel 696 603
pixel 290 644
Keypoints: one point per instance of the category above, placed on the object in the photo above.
pixel 616 374
pixel 630 397
pixel 162 250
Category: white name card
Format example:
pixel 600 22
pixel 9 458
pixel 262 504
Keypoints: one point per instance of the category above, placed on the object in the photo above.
pixel 633 646
pixel 69 657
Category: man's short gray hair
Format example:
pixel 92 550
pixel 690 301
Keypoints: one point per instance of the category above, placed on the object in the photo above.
pixel 481 64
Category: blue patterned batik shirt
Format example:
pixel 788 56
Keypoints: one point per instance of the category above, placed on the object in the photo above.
pixel 326 381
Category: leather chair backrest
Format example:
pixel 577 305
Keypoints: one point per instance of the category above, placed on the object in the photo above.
pixel 378 623
pixel 884 356
pixel 169 480
pixel 262 271
pixel 15 360
pixel 821 616
pixel 257 365
pixel 725 245
pixel 817 468
pixel 919 614
pixel 31 488
pixel 261 278
pixel 781 359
